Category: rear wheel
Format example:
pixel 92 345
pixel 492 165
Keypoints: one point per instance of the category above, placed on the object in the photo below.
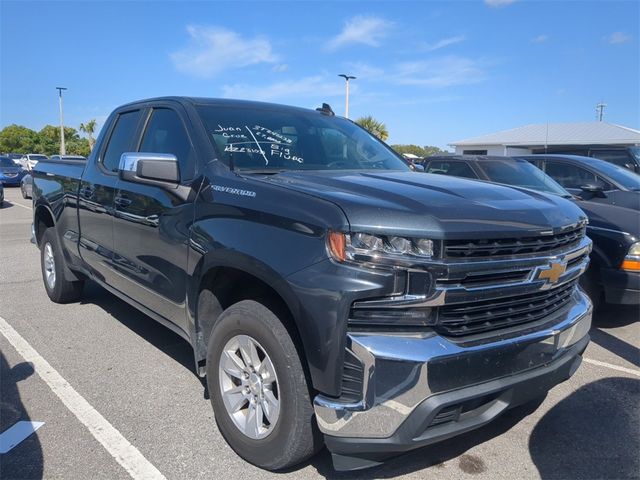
pixel 59 289
pixel 258 388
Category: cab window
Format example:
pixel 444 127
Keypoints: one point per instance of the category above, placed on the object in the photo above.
pixel 165 133
pixel 572 176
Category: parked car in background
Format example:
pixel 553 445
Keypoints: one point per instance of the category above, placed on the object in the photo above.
pixel 15 157
pixel 67 157
pixel 614 272
pixel 26 186
pixel 591 179
pixel 628 157
pixel 30 160
pixel 10 173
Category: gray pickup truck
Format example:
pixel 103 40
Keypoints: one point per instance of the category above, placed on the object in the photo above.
pixel 331 295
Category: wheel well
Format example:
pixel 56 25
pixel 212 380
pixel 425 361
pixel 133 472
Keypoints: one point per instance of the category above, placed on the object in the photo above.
pixel 42 220
pixel 229 286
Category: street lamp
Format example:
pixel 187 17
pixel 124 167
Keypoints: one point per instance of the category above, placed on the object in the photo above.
pixel 346 100
pixel 62 147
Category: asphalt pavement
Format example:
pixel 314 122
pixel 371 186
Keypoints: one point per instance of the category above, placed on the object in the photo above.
pixel 137 378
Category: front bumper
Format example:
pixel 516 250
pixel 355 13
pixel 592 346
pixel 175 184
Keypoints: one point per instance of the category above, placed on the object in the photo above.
pixel 419 390
pixel 621 287
pixel 11 181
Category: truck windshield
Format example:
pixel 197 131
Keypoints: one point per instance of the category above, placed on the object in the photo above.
pixel 521 173
pixel 264 140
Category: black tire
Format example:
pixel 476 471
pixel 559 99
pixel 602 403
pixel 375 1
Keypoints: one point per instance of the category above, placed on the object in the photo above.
pixel 295 435
pixel 590 283
pixel 61 290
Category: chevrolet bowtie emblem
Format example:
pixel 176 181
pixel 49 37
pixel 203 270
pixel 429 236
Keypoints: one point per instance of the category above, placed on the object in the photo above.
pixel 553 272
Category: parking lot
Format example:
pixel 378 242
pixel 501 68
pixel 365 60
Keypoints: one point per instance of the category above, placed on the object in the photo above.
pixel 138 377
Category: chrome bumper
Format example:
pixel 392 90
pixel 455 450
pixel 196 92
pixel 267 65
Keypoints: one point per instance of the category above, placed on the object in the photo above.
pixel 402 371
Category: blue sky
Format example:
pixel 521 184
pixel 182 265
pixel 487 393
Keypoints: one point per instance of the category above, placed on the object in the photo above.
pixel 434 72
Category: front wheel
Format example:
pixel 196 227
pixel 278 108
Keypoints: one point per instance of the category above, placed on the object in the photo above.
pixel 59 289
pixel 258 388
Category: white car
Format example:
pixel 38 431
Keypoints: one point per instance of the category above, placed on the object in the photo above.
pixel 30 160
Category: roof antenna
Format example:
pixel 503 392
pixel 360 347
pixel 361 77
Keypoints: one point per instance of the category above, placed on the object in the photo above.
pixel 546 140
pixel 326 110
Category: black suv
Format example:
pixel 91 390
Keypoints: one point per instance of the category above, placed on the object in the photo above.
pixel 614 273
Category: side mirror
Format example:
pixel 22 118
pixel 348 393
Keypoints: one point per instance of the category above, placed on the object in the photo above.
pixel 418 168
pixel 596 189
pixel 152 168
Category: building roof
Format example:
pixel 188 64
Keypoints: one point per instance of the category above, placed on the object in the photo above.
pixel 584 133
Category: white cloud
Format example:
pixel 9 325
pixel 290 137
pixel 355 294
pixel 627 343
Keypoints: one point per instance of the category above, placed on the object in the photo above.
pixel 498 3
pixel 365 30
pixel 281 67
pixel 540 39
pixel 212 50
pixel 439 72
pixel 364 71
pixel 317 87
pixel 618 37
pixel 445 42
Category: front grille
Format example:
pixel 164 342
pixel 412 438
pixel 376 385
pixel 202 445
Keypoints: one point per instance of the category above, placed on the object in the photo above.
pixel 488 315
pixel 512 246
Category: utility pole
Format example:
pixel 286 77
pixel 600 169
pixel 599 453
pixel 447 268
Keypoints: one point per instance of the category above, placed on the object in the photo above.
pixel 62 147
pixel 346 100
pixel 600 110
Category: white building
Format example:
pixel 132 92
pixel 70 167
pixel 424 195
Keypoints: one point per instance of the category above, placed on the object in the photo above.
pixel 575 138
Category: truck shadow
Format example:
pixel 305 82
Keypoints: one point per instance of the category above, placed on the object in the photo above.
pixel 593 433
pixel 160 337
pixel 25 460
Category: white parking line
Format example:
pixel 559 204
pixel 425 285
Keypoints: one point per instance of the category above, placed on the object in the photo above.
pixel 18 204
pixel 613 367
pixel 111 439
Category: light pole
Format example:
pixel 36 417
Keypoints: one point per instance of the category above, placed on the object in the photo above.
pixel 346 100
pixel 62 147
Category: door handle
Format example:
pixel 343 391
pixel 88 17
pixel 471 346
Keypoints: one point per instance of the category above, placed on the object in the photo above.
pixel 87 192
pixel 122 201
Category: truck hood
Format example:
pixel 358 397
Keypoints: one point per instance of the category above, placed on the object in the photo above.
pixel 420 204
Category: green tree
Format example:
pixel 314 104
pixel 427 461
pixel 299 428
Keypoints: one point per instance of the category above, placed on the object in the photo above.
pixel 425 151
pixel 374 127
pixel 18 139
pixel 49 141
pixel 89 128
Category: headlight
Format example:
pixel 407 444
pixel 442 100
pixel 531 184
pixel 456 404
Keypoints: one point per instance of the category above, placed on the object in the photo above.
pixel 366 247
pixel 631 262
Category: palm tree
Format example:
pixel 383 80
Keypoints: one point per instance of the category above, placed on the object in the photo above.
pixel 89 128
pixel 374 127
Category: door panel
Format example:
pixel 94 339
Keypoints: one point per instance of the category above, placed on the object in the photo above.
pixel 151 225
pixel 96 197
